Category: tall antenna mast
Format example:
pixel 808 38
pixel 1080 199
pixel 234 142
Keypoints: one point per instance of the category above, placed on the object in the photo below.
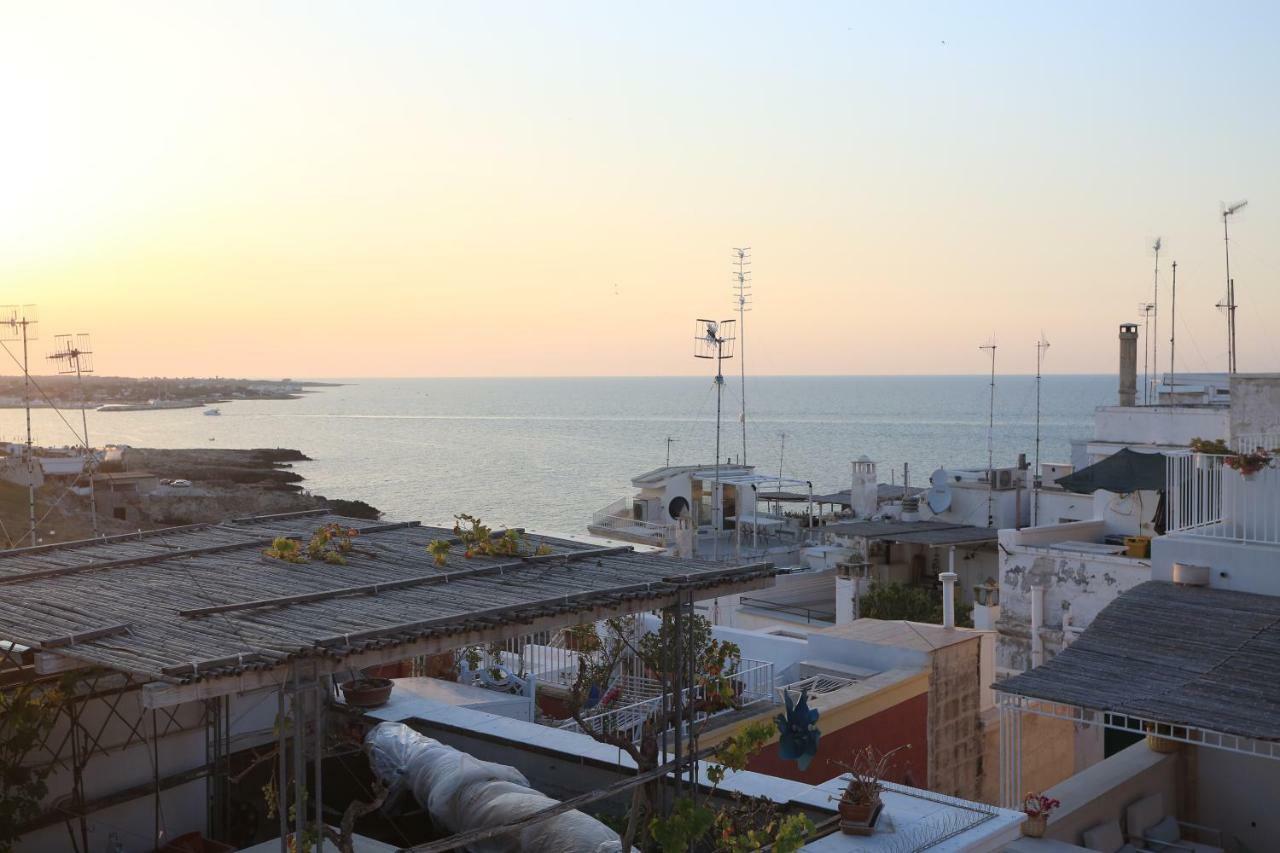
pixel 1173 319
pixel 742 288
pixel 18 322
pixel 670 441
pixel 991 425
pixel 782 449
pixel 1230 303
pixel 72 354
pixel 1041 346
pixel 1155 320
pixel 1146 309
pixel 713 339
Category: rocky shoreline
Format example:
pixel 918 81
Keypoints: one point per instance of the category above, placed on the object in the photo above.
pixel 212 485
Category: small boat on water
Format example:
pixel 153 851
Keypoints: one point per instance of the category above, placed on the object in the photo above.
pixel 209 412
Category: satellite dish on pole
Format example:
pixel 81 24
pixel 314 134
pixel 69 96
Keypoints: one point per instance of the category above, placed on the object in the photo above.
pixel 939 497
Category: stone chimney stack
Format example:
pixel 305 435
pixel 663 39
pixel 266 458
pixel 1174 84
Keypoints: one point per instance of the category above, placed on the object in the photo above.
pixel 1128 364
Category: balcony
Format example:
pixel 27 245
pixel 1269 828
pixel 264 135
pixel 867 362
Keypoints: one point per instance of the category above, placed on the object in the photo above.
pixel 1208 498
pixel 618 521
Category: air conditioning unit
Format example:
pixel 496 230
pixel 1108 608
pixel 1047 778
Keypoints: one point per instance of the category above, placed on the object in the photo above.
pixel 1004 479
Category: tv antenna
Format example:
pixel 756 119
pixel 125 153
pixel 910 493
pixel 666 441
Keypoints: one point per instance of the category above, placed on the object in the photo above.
pixel 742 294
pixel 712 339
pixel 1173 318
pixel 1230 302
pixel 1145 310
pixel 73 354
pixel 991 425
pixel 670 441
pixel 1042 346
pixel 18 323
pixel 1155 324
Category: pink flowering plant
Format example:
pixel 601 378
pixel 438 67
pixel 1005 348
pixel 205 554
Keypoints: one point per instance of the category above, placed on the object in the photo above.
pixel 1036 805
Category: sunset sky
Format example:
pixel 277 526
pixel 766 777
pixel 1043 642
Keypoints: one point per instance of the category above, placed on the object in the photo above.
pixel 429 189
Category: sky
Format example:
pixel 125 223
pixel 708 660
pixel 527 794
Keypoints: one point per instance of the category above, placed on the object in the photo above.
pixel 508 189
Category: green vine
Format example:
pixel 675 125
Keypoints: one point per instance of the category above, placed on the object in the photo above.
pixel 27 715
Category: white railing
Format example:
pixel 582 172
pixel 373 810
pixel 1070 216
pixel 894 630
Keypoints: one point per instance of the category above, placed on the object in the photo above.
pixel 620 508
pixel 640 699
pixel 619 516
pixel 1268 441
pixel 1206 497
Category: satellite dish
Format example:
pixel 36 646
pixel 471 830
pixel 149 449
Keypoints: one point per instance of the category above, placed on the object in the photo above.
pixel 939 497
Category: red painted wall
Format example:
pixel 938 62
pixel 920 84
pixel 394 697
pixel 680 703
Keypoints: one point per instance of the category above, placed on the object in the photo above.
pixel 906 722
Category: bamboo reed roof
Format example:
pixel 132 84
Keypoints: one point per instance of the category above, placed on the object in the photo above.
pixel 203 601
pixel 1188 656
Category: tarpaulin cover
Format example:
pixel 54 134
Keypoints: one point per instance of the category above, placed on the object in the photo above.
pixel 462 793
pixel 1122 472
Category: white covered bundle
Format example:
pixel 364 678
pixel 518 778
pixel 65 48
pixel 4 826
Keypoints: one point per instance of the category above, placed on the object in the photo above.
pixel 462 793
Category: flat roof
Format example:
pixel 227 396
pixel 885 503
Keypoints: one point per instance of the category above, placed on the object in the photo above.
pixel 1188 656
pixel 933 533
pixel 203 601
pixel 921 636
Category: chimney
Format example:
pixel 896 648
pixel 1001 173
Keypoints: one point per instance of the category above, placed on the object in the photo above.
pixel 1128 364
pixel 948 598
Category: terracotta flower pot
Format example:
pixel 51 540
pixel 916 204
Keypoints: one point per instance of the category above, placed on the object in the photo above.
pixel 1035 825
pixel 859 818
pixel 367 692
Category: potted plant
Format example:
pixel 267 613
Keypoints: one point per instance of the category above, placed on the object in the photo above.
pixel 859 803
pixel 1249 463
pixel 1037 808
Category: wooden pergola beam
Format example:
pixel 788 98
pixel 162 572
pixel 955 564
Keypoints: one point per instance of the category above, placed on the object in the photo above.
pixel 160 694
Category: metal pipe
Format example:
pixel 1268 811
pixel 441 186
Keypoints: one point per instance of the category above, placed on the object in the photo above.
pixel 948 579
pixel 282 771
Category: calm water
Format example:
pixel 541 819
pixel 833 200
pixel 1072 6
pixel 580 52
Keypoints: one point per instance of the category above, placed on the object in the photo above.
pixel 546 453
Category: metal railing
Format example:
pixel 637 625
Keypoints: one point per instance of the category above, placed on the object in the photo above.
pixel 639 699
pixel 809 614
pixel 1207 497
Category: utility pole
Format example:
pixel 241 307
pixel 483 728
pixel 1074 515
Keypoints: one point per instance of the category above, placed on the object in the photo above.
pixel 670 441
pixel 991 424
pixel 742 286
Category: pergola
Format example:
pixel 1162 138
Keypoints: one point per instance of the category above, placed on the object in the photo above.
pixel 188 616
pixel 1188 664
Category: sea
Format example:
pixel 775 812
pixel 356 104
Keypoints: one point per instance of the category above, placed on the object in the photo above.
pixel 544 454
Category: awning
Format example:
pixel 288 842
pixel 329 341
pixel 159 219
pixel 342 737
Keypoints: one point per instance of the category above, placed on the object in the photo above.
pixel 1196 657
pixel 1123 471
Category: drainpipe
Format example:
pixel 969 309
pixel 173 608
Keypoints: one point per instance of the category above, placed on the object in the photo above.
pixel 1037 624
pixel 949 594
pixel 755 518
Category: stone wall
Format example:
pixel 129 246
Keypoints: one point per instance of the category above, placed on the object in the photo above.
pixel 1076 583
pixel 956 763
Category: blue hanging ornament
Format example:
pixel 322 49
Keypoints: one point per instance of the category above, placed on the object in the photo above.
pixel 797 733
